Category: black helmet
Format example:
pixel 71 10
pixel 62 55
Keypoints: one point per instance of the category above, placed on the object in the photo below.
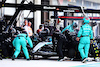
pixel 94 23
pixel 41 26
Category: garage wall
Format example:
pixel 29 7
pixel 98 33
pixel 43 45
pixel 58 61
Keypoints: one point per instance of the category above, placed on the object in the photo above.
pixel 9 10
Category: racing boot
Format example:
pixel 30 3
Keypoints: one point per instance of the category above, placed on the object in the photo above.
pixel 61 59
pixel 13 58
pixel 84 60
pixel 28 59
pixel 71 59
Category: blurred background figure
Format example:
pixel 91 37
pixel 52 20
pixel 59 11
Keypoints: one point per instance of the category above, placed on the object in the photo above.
pixel 26 26
pixel 40 29
pixel 30 32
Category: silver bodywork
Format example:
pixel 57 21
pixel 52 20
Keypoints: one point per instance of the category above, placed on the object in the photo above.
pixel 39 45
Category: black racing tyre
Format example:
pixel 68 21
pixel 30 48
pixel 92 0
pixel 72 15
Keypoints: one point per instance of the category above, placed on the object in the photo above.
pixel 78 56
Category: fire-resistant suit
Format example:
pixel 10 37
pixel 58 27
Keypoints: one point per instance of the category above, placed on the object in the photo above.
pixel 86 34
pixel 70 27
pixel 19 41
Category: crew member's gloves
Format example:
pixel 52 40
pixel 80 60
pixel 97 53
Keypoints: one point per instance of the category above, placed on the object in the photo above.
pixel 26 41
pixel 91 41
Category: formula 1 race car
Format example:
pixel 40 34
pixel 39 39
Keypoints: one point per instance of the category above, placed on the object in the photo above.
pixel 48 47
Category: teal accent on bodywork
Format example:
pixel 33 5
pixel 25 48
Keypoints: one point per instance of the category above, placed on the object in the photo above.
pixel 40 44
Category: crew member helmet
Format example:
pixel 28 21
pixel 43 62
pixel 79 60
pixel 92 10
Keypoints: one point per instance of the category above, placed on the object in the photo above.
pixel 86 20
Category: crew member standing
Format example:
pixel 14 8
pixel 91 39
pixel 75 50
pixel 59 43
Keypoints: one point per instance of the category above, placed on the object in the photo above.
pixel 86 34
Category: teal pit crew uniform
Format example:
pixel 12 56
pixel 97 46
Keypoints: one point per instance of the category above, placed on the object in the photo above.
pixel 69 27
pixel 19 41
pixel 86 34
